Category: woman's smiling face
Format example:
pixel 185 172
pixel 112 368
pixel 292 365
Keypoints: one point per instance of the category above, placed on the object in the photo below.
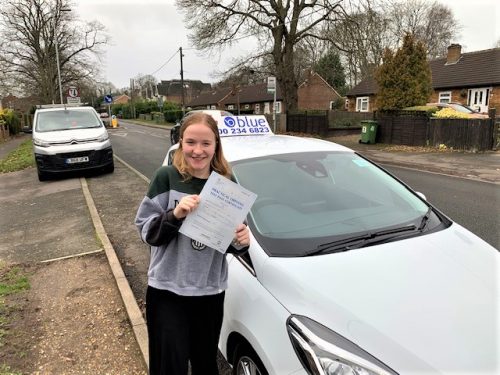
pixel 198 148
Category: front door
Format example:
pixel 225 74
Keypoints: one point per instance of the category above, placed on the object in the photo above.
pixel 478 99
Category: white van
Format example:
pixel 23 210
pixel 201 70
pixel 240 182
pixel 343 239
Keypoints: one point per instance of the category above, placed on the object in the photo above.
pixel 69 138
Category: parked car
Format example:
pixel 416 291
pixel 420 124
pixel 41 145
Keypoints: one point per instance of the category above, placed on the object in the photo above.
pixel 68 138
pixel 349 270
pixel 460 108
pixel 105 119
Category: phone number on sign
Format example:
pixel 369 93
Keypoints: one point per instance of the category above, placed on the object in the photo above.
pixel 243 131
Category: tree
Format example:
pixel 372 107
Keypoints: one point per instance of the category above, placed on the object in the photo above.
pixel 331 69
pixel 432 23
pixel 29 31
pixel 373 26
pixel 404 78
pixel 363 37
pixel 146 83
pixel 278 26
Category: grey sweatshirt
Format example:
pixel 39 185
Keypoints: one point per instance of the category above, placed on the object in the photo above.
pixel 178 263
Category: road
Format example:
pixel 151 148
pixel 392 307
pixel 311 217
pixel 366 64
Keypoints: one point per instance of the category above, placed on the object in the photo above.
pixel 472 204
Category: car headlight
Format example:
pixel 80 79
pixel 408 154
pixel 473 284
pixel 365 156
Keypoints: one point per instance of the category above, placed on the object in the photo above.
pixel 40 143
pixel 324 352
pixel 102 138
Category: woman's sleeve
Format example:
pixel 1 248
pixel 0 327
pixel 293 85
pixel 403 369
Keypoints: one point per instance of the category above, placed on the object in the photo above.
pixel 157 225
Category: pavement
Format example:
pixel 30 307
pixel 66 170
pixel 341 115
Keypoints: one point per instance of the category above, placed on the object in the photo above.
pixel 103 207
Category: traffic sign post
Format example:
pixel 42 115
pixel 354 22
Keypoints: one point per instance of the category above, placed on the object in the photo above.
pixel 108 99
pixel 73 95
pixel 271 88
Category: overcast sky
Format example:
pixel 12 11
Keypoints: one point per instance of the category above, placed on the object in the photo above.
pixel 148 33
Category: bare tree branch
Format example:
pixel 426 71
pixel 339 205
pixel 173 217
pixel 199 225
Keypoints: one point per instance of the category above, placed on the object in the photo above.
pixel 31 29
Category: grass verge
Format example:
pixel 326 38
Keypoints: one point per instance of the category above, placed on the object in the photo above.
pixel 12 280
pixel 21 158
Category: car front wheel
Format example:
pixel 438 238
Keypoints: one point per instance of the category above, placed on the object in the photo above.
pixel 247 362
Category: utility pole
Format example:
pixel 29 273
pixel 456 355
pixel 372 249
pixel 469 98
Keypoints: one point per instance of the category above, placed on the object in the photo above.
pixel 56 17
pixel 182 82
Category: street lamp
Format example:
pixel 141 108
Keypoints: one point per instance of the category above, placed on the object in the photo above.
pixel 57 53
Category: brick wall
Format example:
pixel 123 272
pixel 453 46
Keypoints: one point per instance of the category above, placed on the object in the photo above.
pixel 495 99
pixel 316 94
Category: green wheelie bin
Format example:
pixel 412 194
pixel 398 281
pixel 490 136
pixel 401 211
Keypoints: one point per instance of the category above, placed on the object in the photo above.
pixel 368 131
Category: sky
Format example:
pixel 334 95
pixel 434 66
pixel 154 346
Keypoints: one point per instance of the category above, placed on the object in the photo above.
pixel 146 36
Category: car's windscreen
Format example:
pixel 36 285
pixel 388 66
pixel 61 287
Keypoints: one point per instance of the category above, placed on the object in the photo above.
pixel 308 199
pixel 65 120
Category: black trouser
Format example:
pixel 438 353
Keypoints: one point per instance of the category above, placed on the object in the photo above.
pixel 183 328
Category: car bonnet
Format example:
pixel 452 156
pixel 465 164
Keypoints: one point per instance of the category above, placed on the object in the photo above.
pixel 422 305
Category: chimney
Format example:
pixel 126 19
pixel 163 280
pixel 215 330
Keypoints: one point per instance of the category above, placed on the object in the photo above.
pixel 454 53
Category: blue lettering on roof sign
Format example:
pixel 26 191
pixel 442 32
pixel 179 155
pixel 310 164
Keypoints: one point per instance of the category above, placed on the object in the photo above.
pixel 244 125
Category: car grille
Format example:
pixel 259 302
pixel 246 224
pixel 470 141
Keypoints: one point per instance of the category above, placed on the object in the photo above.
pixel 58 162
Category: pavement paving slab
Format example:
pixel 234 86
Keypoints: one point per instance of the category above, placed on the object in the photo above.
pixel 28 228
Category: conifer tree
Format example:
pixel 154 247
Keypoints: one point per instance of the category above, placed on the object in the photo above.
pixel 404 79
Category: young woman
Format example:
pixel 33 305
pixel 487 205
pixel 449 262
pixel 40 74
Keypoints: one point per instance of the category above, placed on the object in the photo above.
pixel 186 279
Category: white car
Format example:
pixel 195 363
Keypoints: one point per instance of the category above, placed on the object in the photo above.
pixel 349 270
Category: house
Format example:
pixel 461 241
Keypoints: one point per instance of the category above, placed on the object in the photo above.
pixel 172 90
pixel 471 78
pixel 23 105
pixel 249 99
pixel 122 99
pixel 313 93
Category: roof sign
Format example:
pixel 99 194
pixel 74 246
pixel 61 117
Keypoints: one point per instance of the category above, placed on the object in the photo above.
pixel 231 126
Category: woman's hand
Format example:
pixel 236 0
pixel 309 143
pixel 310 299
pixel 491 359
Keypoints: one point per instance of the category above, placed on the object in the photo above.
pixel 187 204
pixel 241 236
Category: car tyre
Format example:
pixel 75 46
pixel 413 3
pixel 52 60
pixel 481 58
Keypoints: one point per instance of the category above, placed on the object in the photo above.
pixel 110 168
pixel 247 362
pixel 42 176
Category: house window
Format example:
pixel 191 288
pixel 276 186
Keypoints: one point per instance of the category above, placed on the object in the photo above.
pixel 445 97
pixel 230 106
pixel 247 106
pixel 278 107
pixel 213 107
pixel 208 106
pixel 267 108
pixel 257 108
pixel 362 104
pixel 332 104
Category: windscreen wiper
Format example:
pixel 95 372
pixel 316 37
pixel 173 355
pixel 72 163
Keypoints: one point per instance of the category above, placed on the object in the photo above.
pixel 362 240
pixel 425 220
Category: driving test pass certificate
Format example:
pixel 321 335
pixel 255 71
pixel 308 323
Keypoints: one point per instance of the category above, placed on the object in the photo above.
pixel 223 206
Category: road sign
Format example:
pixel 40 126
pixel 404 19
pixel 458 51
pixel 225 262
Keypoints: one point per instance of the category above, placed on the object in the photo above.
pixel 73 92
pixel 108 99
pixel 271 84
pixel 71 100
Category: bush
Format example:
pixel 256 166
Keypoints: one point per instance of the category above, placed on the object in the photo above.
pixel 172 115
pixel 450 113
pixel 10 118
pixel 423 108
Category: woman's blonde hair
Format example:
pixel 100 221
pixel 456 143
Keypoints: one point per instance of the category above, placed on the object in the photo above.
pixel 218 163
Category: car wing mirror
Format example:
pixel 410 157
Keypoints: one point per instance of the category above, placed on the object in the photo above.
pixel 421 195
pixel 175 134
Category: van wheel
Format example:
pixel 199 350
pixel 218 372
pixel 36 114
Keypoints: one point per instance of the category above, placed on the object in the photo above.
pixel 110 168
pixel 247 362
pixel 42 176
